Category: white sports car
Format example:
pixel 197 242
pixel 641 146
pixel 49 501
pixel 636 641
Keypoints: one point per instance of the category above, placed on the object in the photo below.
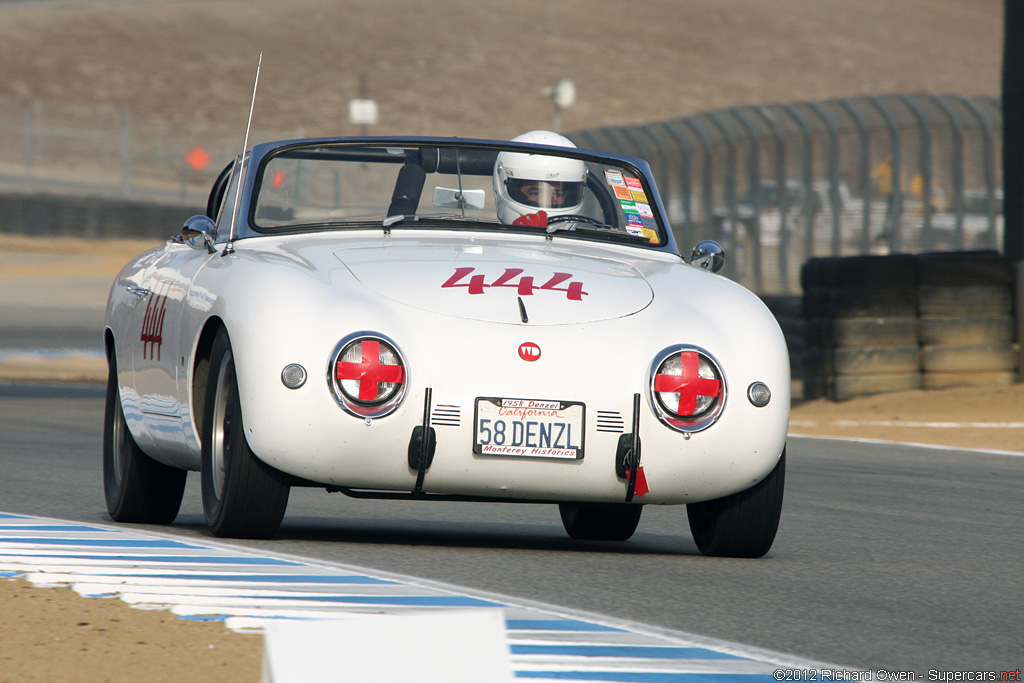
pixel 450 319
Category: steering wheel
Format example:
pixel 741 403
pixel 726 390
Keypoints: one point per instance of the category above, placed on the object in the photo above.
pixel 577 218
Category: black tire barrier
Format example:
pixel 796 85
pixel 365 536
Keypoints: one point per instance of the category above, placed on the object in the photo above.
pixel 898 322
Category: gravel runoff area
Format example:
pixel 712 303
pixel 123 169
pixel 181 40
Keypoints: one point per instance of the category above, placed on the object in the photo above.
pixel 455 67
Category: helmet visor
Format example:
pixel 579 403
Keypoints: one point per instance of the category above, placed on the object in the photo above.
pixel 544 194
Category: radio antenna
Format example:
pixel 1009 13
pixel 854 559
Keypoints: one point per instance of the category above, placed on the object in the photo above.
pixel 230 247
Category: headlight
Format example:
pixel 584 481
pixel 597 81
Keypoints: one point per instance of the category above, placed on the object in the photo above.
pixel 368 374
pixel 687 388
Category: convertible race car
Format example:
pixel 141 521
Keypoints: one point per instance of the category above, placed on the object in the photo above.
pixel 444 318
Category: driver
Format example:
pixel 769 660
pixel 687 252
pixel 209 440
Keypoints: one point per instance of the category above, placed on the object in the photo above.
pixel 528 188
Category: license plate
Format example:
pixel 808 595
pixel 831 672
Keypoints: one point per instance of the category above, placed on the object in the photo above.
pixel 529 428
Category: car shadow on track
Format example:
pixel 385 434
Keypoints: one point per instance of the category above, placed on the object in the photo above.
pixel 451 534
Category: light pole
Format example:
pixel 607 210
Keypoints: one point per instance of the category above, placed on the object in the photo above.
pixel 563 95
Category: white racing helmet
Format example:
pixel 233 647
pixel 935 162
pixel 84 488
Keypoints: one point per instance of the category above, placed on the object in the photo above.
pixel 527 183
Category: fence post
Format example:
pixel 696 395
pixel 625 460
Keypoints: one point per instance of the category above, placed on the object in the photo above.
pixel 754 179
pixel 807 180
pixel 866 190
pixel 731 265
pixel 926 170
pixel 894 211
pixel 958 169
pixel 989 165
pixel 780 179
pixel 685 181
pixel 707 190
pixel 833 175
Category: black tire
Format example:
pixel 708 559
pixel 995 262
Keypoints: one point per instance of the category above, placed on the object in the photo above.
pixel 870 360
pixel 860 303
pixel 243 497
pixel 137 488
pixel 743 524
pixel 600 521
pixel 861 332
pixel 977 301
pixel 994 358
pixel 965 268
pixel 845 387
pixel 966 331
pixel 943 380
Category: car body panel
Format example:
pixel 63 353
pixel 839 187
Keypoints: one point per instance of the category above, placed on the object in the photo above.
pixel 290 297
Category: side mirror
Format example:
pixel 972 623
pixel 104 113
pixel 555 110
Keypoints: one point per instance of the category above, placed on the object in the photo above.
pixel 199 233
pixel 708 255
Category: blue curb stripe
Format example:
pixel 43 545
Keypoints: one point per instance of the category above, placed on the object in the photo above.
pixel 47 527
pixel 552 625
pixel 176 559
pixel 407 600
pixel 632 651
pixel 103 542
pixel 283 578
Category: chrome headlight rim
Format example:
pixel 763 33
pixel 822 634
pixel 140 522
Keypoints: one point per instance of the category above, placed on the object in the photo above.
pixel 699 421
pixel 353 405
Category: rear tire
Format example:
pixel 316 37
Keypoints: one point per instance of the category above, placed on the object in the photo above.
pixel 743 524
pixel 243 497
pixel 137 488
pixel 600 521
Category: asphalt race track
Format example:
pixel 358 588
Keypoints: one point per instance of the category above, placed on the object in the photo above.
pixel 888 557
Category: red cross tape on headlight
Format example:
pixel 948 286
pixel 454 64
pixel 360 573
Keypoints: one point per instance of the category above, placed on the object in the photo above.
pixel 369 371
pixel 687 388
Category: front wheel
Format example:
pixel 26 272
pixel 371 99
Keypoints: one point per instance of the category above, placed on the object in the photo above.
pixel 137 488
pixel 600 521
pixel 243 497
pixel 743 524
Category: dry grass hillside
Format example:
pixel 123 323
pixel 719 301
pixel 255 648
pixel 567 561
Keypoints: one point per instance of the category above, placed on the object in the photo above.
pixel 476 67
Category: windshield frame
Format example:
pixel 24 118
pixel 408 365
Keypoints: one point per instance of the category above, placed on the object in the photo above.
pixel 474 159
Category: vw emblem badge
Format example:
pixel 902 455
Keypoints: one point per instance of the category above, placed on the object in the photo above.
pixel 529 351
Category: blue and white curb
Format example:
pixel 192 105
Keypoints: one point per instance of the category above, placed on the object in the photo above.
pixel 248 590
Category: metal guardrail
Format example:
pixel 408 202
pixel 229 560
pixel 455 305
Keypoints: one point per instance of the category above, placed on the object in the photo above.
pixel 779 184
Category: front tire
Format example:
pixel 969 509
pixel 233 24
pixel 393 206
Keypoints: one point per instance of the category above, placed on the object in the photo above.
pixel 600 521
pixel 243 497
pixel 743 524
pixel 137 488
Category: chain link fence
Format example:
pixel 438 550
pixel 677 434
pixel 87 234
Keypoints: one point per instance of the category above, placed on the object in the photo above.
pixel 780 184
pixel 107 151
pixel 775 184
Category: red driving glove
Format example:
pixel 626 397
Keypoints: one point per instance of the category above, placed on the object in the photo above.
pixel 539 219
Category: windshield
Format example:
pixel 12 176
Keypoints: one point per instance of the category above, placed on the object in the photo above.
pixel 339 186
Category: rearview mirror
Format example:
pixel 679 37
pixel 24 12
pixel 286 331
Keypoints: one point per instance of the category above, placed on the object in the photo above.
pixel 454 198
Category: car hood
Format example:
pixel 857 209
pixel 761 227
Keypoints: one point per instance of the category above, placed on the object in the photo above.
pixel 502 283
